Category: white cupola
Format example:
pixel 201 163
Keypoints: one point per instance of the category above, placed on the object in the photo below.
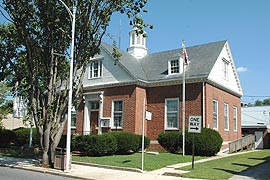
pixel 137 44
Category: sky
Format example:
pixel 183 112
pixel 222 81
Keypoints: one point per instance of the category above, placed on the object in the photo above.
pixel 244 23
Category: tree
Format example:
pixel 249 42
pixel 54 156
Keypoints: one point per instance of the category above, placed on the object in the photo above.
pixel 258 103
pixel 39 30
pixel 5 105
pixel 262 102
pixel 266 101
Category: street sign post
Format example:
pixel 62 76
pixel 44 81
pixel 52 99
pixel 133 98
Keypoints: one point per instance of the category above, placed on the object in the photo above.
pixel 194 126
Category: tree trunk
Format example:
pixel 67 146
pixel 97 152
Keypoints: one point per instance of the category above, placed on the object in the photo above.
pixel 45 159
pixel 56 137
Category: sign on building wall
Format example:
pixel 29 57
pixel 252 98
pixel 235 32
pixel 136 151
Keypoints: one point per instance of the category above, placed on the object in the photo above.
pixel 148 115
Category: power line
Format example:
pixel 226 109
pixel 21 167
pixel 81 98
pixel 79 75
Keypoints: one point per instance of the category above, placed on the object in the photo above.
pixel 255 96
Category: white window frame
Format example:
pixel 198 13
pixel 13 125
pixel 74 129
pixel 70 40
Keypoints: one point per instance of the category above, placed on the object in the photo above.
pixel 166 112
pixel 113 114
pixel 143 40
pixel 235 118
pixel 73 123
pixel 91 69
pixel 133 36
pixel 225 68
pixel 226 117
pixel 215 116
pixel 138 39
pixel 171 67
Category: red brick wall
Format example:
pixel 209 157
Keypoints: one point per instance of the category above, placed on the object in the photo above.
pixel 128 95
pixel 214 93
pixel 80 117
pixel 133 103
pixel 132 97
pixel 140 96
pixel 156 104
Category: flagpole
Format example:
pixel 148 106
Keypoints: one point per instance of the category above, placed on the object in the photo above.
pixel 183 102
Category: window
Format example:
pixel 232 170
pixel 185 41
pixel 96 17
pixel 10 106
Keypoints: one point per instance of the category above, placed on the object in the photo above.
pixel 133 39
pixel 73 119
pixel 226 116
pixel 215 114
pixel 235 118
pixel 95 69
pixel 225 65
pixel 171 113
pixel 117 114
pixel 94 105
pixel 174 66
pixel 138 39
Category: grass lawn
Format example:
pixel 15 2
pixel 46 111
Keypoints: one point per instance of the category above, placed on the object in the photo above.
pixel 226 167
pixel 151 162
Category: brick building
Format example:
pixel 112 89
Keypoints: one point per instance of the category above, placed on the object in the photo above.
pixel 115 91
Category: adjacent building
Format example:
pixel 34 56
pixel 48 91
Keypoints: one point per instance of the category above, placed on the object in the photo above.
pixel 116 92
pixel 256 120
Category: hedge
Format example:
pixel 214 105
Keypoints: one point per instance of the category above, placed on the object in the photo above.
pixel 95 145
pixel 146 142
pixel 207 143
pixel 23 136
pixel 109 143
pixel 7 138
pixel 171 141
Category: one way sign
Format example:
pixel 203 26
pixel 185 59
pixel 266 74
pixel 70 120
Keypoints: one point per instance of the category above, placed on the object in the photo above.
pixel 194 124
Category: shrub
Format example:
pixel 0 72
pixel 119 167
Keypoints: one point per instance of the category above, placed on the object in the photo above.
pixel 102 145
pixel 171 141
pixel 146 142
pixel 63 141
pixel 7 137
pixel 127 143
pixel 95 145
pixel 207 143
pixel 23 136
pixel 79 143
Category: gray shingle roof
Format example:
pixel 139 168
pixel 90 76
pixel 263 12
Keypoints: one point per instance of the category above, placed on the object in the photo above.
pixel 132 65
pixel 154 67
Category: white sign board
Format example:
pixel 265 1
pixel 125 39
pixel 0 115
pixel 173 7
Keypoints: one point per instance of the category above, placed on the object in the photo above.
pixel 194 124
pixel 148 115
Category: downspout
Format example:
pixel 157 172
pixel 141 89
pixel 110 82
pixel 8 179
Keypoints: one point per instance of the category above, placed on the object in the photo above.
pixel 203 104
pixel 100 112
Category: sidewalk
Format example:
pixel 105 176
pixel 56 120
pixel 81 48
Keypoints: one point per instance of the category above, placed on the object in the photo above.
pixel 85 171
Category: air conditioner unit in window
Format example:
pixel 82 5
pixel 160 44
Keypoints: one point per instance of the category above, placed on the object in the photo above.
pixel 105 122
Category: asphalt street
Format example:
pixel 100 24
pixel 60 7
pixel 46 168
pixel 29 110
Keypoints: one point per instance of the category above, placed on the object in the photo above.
pixel 7 173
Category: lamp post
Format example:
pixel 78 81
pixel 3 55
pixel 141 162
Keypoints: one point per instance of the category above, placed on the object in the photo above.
pixel 72 18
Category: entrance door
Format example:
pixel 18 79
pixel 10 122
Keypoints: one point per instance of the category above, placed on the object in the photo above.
pixel 94 122
pixel 258 140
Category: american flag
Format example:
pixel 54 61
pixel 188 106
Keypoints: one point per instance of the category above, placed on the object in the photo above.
pixel 185 55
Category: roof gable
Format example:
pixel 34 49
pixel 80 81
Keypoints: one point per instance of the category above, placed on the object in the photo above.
pixel 128 62
pixel 231 82
pixel 111 73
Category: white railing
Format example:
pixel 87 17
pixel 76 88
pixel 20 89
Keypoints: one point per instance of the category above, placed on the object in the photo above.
pixel 247 142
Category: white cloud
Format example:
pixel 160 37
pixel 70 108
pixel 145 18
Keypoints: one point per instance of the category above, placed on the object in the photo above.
pixel 242 69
